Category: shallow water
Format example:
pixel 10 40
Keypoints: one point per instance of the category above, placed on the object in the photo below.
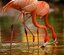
pixel 33 50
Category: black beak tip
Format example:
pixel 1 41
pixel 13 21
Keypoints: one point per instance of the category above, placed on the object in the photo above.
pixel 4 2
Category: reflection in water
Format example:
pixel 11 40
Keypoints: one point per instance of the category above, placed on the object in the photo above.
pixel 51 50
pixel 54 49
pixel 48 50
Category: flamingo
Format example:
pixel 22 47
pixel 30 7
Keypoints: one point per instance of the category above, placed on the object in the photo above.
pixel 35 8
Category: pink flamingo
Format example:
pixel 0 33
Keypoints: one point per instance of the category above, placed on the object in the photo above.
pixel 35 8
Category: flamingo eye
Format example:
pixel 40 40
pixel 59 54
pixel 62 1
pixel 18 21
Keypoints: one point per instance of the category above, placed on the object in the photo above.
pixel 4 2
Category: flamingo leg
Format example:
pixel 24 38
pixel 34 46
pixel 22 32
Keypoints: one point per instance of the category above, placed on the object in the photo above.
pixel 23 21
pixel 46 39
pixel 38 35
pixel 50 27
pixel 8 5
pixel 21 16
pixel 29 29
pixel 27 37
pixel 12 30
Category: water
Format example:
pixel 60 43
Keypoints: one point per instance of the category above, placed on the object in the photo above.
pixel 33 50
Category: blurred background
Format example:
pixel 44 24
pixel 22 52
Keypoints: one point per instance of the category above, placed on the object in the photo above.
pixel 9 17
